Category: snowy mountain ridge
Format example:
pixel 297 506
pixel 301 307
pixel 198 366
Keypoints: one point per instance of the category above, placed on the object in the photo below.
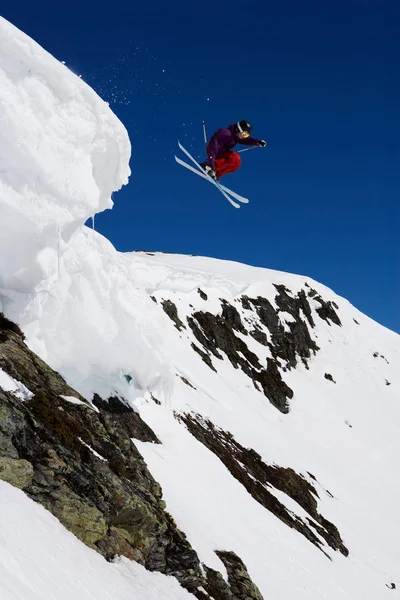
pixel 235 427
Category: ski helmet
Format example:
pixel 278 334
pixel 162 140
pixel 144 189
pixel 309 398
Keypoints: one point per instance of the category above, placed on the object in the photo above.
pixel 244 127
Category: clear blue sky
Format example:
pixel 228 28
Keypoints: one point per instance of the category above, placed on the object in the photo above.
pixel 320 82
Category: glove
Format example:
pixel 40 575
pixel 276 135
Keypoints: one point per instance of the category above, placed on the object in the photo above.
pixel 210 172
pixel 262 143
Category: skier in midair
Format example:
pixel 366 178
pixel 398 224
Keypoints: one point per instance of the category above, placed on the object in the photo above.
pixel 221 160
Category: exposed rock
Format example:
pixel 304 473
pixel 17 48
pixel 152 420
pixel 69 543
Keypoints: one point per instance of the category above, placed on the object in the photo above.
pixel 376 355
pixel 27 367
pixel 259 336
pixel 293 304
pixel 216 586
pixel 6 324
pixel 139 523
pixel 171 310
pixel 17 472
pixel 114 544
pixel 329 377
pixel 82 466
pixel 220 336
pixel 231 316
pixel 312 293
pixel 238 578
pixel 202 337
pixel 305 307
pixel 203 295
pixel 204 357
pixel 216 333
pixel 187 382
pixel 256 476
pixel 156 400
pixel 273 386
pixel 245 303
pixel 78 516
pixel 123 421
pixel 107 502
pixel 327 312
pixel 287 346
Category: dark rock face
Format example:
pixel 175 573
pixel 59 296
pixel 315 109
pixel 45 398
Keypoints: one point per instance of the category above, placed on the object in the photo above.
pixel 239 586
pixel 259 336
pixel 20 363
pixel 326 310
pixel 288 340
pixel 274 388
pixel 80 461
pixel 231 317
pixel 81 464
pixel 7 325
pixel 329 377
pixel 204 357
pixel 256 476
pixel 238 578
pixel 202 294
pixel 121 420
pixel 215 333
pixel 171 310
pixel 287 345
pixel 216 586
pixel 88 473
pixel 293 304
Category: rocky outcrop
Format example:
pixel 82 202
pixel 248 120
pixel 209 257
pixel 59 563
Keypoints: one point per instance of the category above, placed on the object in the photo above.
pixel 79 459
pixel 171 310
pixel 238 578
pixel 239 585
pixel 216 334
pixel 283 330
pixel 18 473
pixel 287 347
pixel 258 478
pixel 80 462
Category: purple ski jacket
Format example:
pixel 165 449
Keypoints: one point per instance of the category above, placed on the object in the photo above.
pixel 225 139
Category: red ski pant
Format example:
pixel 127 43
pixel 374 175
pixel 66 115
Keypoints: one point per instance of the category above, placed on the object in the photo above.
pixel 227 163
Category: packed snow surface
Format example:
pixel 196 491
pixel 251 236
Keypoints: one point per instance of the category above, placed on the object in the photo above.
pixel 41 560
pixel 96 316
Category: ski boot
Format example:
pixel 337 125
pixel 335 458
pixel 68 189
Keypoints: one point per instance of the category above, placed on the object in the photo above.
pixel 207 169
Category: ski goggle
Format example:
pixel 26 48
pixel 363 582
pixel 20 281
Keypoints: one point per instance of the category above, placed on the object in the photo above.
pixel 245 134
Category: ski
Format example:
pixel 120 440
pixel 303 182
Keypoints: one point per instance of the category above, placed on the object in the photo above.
pixel 204 176
pixel 217 184
pixel 211 180
pixel 225 189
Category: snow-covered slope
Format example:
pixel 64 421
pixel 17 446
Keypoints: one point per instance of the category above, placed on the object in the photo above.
pixel 40 560
pixel 276 401
pixel 342 427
